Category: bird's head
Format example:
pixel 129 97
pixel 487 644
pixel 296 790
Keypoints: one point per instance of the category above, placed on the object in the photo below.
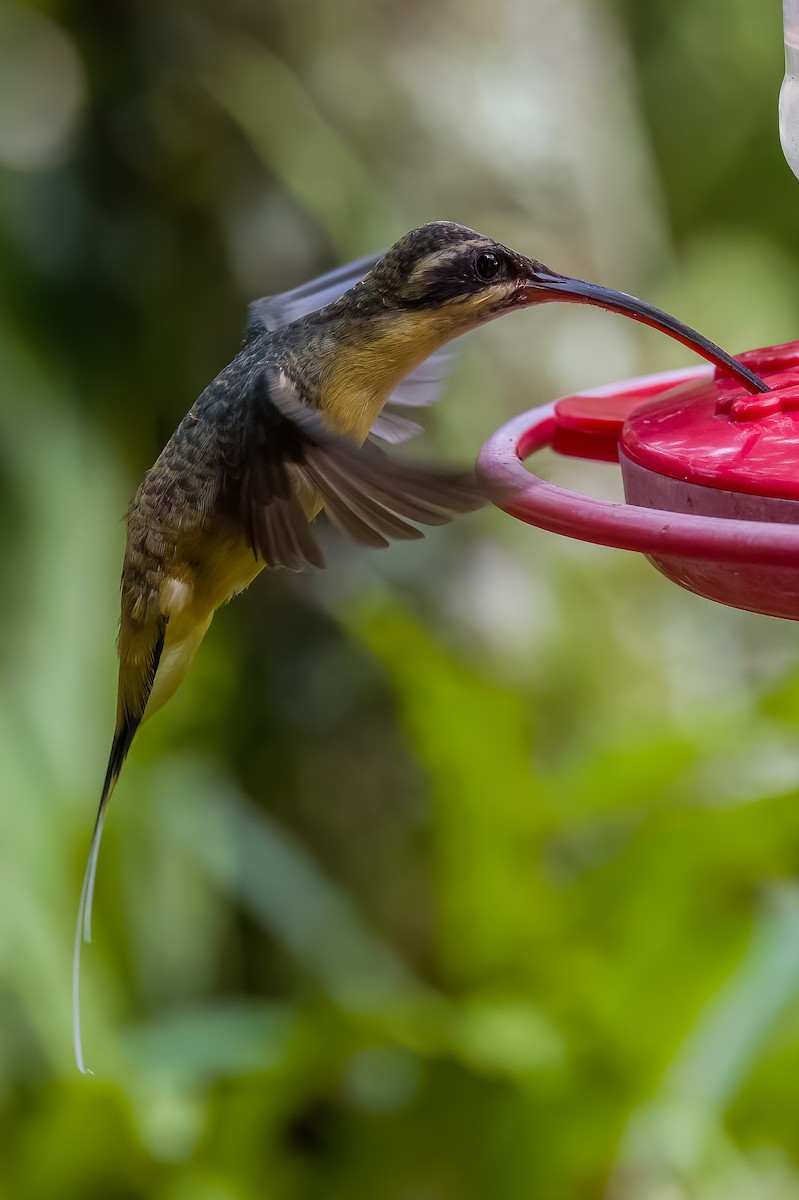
pixel 449 274
pixel 443 279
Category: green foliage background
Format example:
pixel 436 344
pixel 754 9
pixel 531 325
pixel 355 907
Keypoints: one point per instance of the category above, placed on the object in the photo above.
pixel 464 870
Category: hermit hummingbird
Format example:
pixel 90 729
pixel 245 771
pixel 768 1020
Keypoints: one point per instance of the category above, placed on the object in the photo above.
pixel 285 430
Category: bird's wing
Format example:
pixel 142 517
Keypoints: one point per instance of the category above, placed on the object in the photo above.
pixel 281 454
pixel 392 428
pixel 422 387
pixel 281 309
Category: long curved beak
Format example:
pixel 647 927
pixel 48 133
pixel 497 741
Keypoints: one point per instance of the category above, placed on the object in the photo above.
pixel 543 285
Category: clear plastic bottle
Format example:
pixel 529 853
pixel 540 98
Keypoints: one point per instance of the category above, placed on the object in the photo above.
pixel 789 92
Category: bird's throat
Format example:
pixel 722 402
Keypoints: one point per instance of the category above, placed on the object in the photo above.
pixel 365 370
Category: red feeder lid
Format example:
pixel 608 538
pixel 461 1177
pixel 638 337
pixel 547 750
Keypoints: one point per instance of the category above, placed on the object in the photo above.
pixel 712 432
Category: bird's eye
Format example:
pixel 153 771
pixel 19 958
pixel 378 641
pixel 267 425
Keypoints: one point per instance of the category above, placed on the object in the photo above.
pixel 487 265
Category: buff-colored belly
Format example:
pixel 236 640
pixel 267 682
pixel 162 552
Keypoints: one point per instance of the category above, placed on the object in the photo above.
pixel 189 600
pixel 191 595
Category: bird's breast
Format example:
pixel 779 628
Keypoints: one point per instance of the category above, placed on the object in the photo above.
pixel 362 374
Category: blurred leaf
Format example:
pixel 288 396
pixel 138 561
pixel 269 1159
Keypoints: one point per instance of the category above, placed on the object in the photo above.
pixel 680 1132
pixel 269 102
pixel 472 736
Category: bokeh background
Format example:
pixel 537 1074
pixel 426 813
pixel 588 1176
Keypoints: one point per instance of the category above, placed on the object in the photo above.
pixel 466 869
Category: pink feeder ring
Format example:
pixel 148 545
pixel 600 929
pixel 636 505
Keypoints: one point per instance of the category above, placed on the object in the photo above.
pixel 713 497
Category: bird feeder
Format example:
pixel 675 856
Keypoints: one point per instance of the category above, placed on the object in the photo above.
pixel 710 474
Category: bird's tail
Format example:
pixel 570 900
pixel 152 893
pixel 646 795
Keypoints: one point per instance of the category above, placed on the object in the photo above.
pixel 83 928
pixel 127 724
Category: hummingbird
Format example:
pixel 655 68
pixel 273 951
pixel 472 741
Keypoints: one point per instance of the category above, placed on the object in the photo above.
pixel 287 429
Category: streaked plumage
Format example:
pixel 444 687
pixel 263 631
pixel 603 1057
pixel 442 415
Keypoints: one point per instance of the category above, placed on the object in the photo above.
pixel 281 433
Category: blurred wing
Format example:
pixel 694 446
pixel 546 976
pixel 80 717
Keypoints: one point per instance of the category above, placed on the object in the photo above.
pixel 417 390
pixel 423 386
pixel 284 452
pixel 392 428
pixel 276 311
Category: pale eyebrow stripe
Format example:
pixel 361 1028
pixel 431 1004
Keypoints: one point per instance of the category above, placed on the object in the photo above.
pixel 431 262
